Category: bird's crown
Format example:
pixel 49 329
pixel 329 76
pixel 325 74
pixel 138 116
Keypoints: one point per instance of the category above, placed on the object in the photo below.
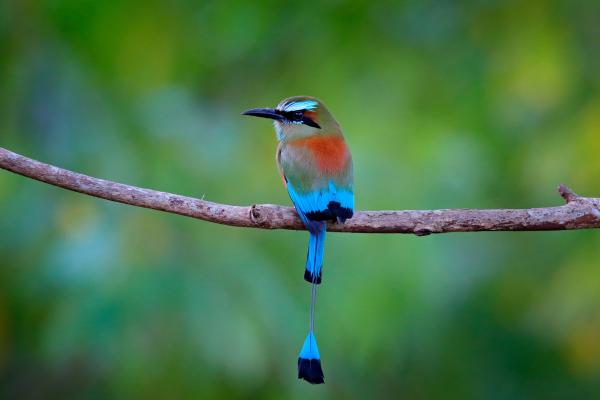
pixel 298 103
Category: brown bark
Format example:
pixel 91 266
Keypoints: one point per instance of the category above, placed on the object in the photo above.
pixel 578 212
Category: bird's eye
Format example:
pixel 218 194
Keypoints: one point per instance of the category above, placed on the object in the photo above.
pixel 297 115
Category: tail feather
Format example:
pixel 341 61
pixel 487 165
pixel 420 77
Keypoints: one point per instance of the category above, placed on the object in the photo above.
pixel 309 361
pixel 314 257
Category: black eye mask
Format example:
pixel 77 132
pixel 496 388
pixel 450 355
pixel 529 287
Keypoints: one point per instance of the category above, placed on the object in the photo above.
pixel 299 117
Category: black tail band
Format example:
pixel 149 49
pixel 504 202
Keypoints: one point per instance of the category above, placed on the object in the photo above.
pixel 308 277
pixel 310 370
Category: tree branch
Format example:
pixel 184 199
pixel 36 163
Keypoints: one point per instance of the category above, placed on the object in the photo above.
pixel 578 212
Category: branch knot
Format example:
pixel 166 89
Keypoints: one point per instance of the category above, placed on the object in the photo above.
pixel 256 216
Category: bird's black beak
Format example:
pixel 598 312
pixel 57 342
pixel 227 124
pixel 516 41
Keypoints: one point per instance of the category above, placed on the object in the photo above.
pixel 265 113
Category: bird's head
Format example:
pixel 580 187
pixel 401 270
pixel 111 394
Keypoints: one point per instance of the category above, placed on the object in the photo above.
pixel 297 117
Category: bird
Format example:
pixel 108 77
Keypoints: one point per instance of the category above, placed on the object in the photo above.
pixel 316 165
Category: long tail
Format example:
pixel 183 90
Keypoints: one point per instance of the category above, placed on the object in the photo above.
pixel 309 360
pixel 314 258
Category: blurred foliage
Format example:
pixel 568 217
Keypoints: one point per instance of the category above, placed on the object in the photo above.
pixel 482 103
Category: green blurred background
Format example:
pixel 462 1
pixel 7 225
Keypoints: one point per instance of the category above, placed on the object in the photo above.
pixel 480 104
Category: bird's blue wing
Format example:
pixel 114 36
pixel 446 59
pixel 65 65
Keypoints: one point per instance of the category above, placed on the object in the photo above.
pixel 326 204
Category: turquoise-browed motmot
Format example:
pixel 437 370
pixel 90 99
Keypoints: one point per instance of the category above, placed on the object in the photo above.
pixel 316 166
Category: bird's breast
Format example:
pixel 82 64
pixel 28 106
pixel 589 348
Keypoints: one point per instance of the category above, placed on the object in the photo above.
pixel 329 153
